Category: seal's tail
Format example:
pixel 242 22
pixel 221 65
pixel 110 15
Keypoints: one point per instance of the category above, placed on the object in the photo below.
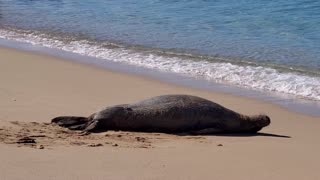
pixel 71 122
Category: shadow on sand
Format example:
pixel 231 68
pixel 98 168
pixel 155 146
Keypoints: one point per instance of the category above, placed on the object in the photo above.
pixel 237 135
pixel 253 134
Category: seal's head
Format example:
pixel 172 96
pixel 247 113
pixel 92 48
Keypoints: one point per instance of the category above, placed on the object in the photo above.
pixel 256 123
pixel 262 121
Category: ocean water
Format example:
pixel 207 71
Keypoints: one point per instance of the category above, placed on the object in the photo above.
pixel 268 46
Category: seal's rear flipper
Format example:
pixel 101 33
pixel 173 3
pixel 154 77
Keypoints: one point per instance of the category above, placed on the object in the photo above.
pixel 93 126
pixel 71 122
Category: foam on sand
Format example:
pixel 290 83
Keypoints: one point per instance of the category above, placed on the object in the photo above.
pixel 254 77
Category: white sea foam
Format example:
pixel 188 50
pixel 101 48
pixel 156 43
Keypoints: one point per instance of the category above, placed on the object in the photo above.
pixel 253 77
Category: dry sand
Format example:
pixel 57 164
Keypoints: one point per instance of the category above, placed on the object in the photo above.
pixel 35 88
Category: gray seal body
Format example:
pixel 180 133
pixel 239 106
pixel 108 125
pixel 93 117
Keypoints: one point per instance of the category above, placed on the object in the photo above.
pixel 168 114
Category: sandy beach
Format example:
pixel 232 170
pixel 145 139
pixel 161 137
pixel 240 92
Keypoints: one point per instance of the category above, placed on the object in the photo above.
pixel 36 88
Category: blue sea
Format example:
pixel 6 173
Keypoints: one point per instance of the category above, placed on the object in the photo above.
pixel 261 45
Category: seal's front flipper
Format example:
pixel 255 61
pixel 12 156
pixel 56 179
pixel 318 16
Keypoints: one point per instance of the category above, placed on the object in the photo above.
pixel 207 131
pixel 72 122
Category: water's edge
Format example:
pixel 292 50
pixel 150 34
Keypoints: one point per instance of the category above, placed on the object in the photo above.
pixel 287 101
pixel 260 77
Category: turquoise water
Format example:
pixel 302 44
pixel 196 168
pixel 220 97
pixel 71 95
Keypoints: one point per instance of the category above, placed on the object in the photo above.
pixel 256 44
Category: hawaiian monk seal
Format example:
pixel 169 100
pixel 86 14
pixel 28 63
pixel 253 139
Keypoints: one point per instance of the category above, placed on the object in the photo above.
pixel 168 114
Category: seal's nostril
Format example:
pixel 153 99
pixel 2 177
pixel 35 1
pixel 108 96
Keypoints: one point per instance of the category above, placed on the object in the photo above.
pixel 267 120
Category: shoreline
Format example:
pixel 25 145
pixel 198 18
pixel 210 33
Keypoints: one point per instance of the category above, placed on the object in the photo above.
pixel 162 78
pixel 36 87
pixel 262 81
pixel 287 101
